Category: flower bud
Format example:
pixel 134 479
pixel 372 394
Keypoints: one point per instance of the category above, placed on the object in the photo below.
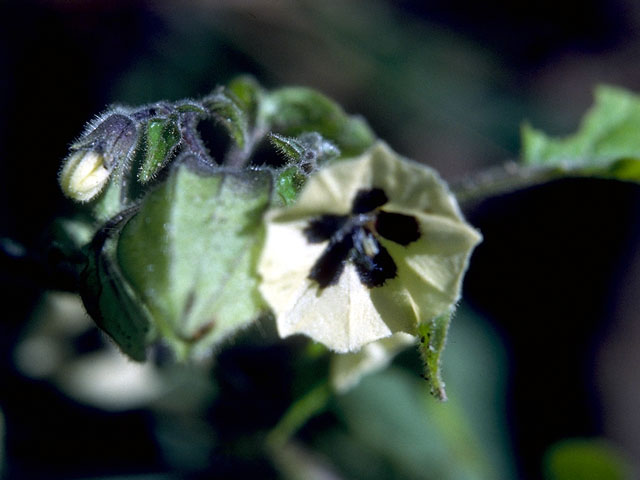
pixel 105 145
pixel 114 134
pixel 84 175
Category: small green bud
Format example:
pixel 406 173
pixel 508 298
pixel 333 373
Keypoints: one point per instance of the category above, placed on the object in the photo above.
pixel 288 147
pixel 288 184
pixel 305 154
pixel 163 136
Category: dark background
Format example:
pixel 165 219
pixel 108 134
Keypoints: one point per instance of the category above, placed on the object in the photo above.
pixel 445 82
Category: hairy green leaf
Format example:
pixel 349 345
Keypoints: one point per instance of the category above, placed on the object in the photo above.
pixel 247 91
pixel 433 337
pixel 229 113
pixel 187 106
pixel 190 255
pixel 291 148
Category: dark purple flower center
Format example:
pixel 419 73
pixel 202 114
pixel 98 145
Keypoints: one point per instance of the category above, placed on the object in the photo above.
pixel 352 238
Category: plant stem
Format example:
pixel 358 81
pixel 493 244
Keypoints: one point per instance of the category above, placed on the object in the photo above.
pixel 191 138
pixel 237 158
pixel 312 403
pixel 502 179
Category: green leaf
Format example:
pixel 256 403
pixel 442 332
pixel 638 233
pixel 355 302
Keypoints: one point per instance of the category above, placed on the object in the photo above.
pixel 464 438
pixel 387 417
pixel 433 337
pixel 163 136
pixel 296 110
pixel 585 459
pixel 308 150
pixel 108 297
pixel 291 148
pixel 607 143
pixel 229 113
pixel 190 256
pixel 248 93
pixel 187 106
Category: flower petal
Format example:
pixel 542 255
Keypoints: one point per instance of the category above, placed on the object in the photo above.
pixel 410 186
pixel 286 267
pixel 341 316
pixel 332 191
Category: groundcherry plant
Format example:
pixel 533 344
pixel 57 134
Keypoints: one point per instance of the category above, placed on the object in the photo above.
pixel 305 219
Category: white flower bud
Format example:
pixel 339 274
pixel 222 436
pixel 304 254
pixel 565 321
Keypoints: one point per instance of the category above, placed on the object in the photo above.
pixel 83 175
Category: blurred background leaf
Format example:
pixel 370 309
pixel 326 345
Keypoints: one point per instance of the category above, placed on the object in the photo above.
pixel 585 459
pixel 606 145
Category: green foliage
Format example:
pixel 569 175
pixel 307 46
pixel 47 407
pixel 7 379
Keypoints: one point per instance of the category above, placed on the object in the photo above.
pixel 174 234
pixel 229 113
pixel 248 94
pixel 396 431
pixel 296 110
pixel 289 183
pixel 433 337
pixel 289 147
pixel 305 127
pixel 189 255
pixel 390 426
pixel 177 234
pixel 162 137
pixel 607 143
pixel 585 459
pixel 109 299
pixel 305 153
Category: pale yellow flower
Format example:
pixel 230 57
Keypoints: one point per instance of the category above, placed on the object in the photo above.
pixel 373 246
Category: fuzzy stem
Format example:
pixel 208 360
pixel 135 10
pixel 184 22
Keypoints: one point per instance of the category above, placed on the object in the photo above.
pixel 192 141
pixel 502 179
pixel 238 158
